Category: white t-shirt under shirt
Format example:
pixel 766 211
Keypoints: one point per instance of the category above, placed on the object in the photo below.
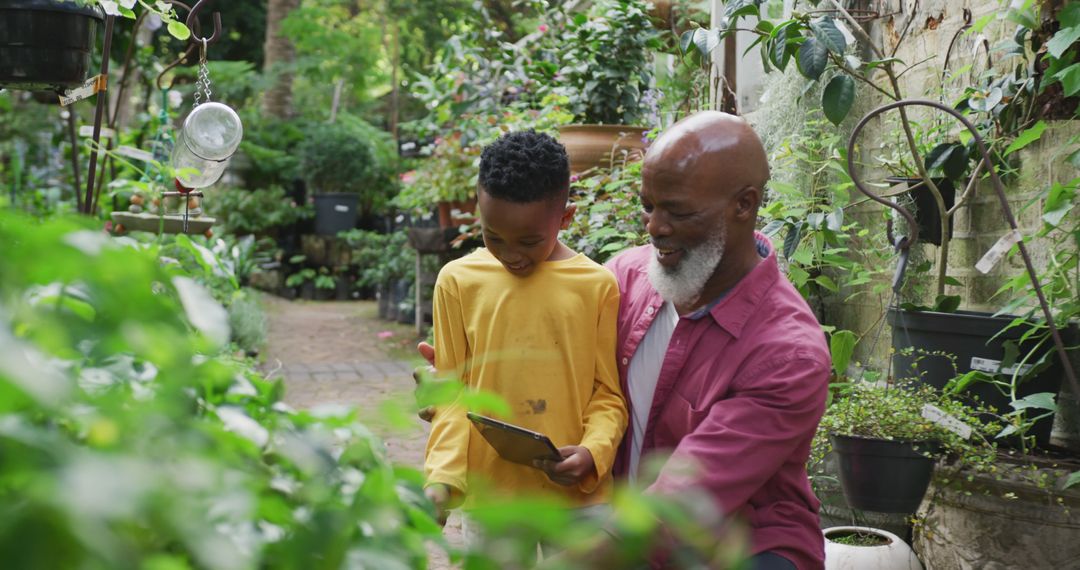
pixel 643 374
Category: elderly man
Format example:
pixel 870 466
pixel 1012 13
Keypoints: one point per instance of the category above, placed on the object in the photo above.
pixel 723 364
pixel 722 361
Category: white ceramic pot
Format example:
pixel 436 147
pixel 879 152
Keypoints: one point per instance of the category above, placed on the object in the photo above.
pixel 892 554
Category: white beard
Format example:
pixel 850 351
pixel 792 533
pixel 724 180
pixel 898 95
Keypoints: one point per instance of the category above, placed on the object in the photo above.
pixel 682 284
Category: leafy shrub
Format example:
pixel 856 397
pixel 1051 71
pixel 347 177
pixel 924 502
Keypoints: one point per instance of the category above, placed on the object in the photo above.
pixel 608 217
pixel 247 322
pixel 381 258
pixel 350 156
pixel 131 441
pixel 242 212
pixel 271 145
pixel 603 62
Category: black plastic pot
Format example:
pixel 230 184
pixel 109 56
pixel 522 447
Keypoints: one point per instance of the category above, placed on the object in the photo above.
pixel 970 338
pixel 335 212
pixel 926 211
pixel 46 44
pixel 883 475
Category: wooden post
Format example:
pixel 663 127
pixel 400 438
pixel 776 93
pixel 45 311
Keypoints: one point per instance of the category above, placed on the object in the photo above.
pixel 419 297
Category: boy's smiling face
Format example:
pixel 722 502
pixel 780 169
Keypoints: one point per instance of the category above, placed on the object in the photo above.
pixel 521 235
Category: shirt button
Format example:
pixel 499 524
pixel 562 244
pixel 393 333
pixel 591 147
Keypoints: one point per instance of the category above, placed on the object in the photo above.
pixel 625 361
pixel 649 310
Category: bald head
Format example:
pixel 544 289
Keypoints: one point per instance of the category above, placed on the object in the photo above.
pixel 712 147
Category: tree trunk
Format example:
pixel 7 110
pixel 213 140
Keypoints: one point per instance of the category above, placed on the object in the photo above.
pixel 279 51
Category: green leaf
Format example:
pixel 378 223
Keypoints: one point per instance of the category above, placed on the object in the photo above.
pixel 981 23
pixel 1070 79
pixel 1027 137
pixel 827 33
pixel 953 281
pixel 985 102
pixel 127 13
pixel 179 31
pixel 1072 479
pixel 778 53
pixel 882 62
pixel 837 98
pixel 827 283
pixel 1062 40
pixel 841 347
pixel 947 303
pixel 1041 401
pixel 1069 16
pixel 835 220
pixel 1074 159
pixel 791 241
pixel 812 58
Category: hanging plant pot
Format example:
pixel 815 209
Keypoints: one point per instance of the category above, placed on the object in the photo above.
pixel 920 339
pixel 46 44
pixel 601 146
pixel 860 547
pixel 883 475
pixel 926 211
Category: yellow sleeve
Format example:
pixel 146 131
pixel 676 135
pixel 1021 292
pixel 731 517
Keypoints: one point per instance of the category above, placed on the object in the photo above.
pixel 446 458
pixel 605 415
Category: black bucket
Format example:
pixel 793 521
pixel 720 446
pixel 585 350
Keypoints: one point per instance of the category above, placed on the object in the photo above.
pixel 335 212
pixel 46 44
pixel 883 475
pixel 967 335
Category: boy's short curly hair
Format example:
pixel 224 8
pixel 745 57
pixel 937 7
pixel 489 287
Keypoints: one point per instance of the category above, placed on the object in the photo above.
pixel 525 166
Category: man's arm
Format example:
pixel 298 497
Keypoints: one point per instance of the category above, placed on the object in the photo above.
pixel 773 411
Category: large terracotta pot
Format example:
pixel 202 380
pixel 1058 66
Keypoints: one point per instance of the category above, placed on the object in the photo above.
pixel 601 146
pixel 890 554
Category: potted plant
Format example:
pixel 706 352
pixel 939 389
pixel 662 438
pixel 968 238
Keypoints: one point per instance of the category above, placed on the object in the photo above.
pixel 864 547
pixel 601 62
pixel 888 437
pixel 345 166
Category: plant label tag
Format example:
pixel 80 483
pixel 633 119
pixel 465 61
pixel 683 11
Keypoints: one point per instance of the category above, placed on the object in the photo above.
pixel 938 416
pixel 135 153
pixel 95 84
pixel 88 131
pixel 991 366
pixel 994 255
pixel 341 208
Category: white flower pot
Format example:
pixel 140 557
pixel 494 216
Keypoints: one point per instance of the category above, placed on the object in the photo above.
pixel 892 554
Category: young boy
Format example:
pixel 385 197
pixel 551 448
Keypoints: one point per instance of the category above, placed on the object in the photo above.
pixel 534 322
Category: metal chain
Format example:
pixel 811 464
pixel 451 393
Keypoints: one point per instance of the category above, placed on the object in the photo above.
pixel 203 79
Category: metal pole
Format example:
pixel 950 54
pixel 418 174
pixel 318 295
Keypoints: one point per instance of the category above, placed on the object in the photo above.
pixel 98 115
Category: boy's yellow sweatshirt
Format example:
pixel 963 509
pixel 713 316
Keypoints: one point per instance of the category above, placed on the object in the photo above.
pixel 546 344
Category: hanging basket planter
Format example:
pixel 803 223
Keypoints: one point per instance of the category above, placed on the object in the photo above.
pixel 46 44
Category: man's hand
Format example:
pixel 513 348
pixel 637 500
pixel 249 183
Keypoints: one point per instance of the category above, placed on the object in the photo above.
pixel 577 463
pixel 439 494
pixel 428 352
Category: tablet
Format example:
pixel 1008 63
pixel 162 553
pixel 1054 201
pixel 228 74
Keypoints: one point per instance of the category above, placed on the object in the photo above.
pixel 515 443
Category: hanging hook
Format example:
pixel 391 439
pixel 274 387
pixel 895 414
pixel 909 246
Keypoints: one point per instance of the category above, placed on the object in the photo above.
pixel 193 21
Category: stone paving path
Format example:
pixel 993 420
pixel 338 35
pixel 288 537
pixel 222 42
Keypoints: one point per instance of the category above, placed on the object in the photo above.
pixel 331 353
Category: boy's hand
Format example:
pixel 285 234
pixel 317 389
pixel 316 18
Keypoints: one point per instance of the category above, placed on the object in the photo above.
pixel 428 352
pixel 577 463
pixel 439 494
